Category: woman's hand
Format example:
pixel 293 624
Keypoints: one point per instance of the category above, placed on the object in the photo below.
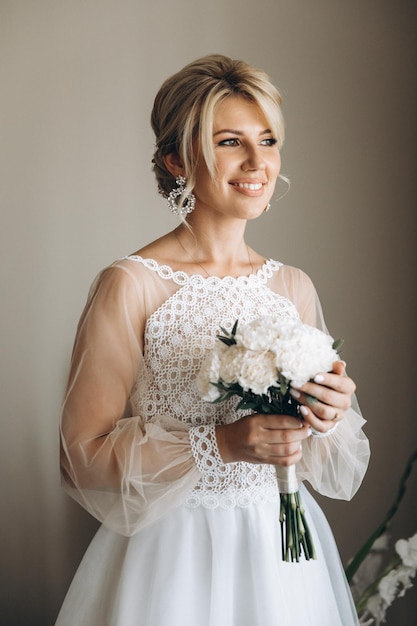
pixel 325 400
pixel 260 438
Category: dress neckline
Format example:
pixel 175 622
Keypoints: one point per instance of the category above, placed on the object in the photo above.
pixel 180 277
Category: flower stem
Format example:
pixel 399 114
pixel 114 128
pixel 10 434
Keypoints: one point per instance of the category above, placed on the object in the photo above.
pixel 362 553
pixel 295 534
pixel 369 591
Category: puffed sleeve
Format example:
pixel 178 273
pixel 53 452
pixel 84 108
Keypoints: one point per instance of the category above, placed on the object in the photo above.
pixel 125 472
pixel 335 464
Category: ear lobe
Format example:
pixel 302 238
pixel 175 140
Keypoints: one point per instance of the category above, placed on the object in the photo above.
pixel 174 164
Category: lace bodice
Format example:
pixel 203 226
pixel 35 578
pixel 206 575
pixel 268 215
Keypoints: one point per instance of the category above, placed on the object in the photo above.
pixel 177 337
pixel 137 440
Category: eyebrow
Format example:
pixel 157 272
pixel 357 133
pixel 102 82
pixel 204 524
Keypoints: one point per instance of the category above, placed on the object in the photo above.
pixel 232 131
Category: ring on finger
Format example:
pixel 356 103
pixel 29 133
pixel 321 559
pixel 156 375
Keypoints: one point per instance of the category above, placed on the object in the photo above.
pixel 336 417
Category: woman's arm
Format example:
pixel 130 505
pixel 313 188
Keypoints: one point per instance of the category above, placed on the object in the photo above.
pixel 125 472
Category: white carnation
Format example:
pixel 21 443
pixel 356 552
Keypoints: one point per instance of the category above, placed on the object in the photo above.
pixel 302 351
pixel 258 372
pixel 266 348
pixel 253 370
pixel 261 333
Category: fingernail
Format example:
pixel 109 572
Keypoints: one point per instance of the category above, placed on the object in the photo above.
pixel 319 378
pixel 295 394
pixel 304 410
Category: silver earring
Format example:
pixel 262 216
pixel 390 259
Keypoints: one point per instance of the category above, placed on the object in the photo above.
pixel 189 203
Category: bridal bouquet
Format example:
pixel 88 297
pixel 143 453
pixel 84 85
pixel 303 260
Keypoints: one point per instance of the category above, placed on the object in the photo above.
pixel 257 362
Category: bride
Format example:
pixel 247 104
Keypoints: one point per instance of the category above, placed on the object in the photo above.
pixel 186 490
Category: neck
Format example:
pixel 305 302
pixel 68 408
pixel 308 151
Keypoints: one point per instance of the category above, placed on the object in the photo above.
pixel 219 252
pixel 214 241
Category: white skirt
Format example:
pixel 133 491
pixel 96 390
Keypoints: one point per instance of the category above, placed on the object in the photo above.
pixel 210 567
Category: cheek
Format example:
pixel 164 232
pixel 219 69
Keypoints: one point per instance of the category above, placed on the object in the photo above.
pixel 278 163
pixel 275 166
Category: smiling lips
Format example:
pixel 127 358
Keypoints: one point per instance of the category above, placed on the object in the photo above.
pixel 245 186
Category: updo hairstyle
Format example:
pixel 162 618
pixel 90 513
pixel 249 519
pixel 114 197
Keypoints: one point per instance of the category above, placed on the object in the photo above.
pixel 184 107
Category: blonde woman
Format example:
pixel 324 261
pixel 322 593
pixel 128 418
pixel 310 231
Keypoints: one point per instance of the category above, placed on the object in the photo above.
pixel 186 490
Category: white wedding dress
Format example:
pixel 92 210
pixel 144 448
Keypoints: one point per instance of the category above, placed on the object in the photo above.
pixel 187 540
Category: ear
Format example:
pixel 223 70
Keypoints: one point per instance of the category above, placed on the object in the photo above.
pixel 174 164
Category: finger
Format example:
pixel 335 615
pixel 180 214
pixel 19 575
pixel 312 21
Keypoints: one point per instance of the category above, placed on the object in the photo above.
pixel 277 422
pixel 323 411
pixel 318 423
pixel 342 384
pixel 339 368
pixel 278 455
pixel 287 435
pixel 333 390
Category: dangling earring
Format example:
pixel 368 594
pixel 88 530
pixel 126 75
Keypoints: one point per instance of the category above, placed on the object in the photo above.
pixel 268 206
pixel 189 203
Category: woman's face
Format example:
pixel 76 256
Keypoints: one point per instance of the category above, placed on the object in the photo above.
pixel 247 162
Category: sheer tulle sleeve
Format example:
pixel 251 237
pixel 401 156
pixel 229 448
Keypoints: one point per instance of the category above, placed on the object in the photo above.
pixel 125 472
pixel 334 465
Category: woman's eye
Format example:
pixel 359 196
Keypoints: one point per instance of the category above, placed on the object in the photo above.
pixel 270 141
pixel 229 142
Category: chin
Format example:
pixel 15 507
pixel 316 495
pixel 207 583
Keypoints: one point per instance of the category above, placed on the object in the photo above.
pixel 254 213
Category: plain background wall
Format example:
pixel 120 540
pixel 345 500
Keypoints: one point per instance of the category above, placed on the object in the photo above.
pixel 78 80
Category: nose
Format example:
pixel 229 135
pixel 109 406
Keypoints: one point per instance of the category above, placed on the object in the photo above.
pixel 253 159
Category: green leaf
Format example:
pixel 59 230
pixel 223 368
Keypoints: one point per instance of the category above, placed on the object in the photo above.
pixel 227 340
pixel 337 345
pixel 283 387
pixel 246 404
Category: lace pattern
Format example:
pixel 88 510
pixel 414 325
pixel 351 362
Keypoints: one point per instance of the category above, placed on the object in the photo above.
pixel 227 484
pixel 177 337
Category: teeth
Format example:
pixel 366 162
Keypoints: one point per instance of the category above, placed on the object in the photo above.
pixel 252 186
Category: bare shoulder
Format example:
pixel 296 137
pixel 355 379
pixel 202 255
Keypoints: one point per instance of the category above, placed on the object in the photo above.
pixel 161 250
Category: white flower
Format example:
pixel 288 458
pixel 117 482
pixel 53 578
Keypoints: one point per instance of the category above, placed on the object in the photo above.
pixel 302 351
pixel 407 549
pixel 404 576
pixel 376 607
pixel 388 587
pixel 394 585
pixel 253 370
pixel 258 372
pixel 261 333
pixel 264 349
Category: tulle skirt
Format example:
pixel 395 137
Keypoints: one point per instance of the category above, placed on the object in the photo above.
pixel 210 567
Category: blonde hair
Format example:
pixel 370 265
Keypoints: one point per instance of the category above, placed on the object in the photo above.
pixel 184 110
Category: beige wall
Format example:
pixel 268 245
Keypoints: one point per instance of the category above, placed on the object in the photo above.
pixel 77 80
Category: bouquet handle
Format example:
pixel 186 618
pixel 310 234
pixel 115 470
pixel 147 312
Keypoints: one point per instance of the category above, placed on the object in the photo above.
pixel 296 537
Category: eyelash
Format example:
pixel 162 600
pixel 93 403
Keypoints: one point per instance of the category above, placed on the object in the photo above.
pixel 234 142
